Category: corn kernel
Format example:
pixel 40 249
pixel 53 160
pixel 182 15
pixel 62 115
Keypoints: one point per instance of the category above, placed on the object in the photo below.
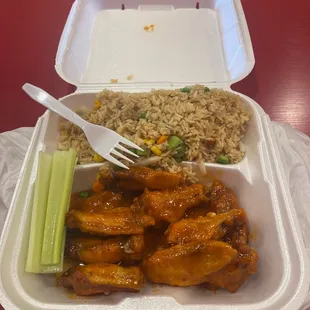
pixel 156 150
pixel 149 142
pixel 97 104
pixel 64 133
pixel 98 158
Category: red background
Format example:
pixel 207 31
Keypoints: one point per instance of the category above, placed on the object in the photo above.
pixel 280 81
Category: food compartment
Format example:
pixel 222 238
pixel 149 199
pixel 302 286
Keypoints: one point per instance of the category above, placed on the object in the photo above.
pixel 250 143
pixel 250 179
pixel 264 236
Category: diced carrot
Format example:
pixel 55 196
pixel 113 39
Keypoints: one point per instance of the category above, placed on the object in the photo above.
pixel 162 139
pixel 97 186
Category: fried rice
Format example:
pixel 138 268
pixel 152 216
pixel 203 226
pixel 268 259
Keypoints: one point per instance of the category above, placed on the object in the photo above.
pixel 210 123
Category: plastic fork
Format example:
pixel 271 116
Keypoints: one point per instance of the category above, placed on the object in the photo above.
pixel 104 141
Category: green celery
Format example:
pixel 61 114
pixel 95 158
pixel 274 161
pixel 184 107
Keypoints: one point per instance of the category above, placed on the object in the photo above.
pixel 38 213
pixel 60 228
pixel 57 206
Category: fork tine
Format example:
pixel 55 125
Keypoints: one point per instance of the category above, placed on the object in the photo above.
pixel 116 153
pixel 118 146
pixel 114 161
pixel 131 144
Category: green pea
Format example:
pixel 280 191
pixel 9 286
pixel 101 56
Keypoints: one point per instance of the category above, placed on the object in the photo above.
pixel 142 115
pixel 173 142
pixel 223 159
pixel 185 90
pixel 145 152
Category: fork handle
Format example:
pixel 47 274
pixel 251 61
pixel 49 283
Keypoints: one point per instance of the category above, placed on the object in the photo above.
pixel 54 105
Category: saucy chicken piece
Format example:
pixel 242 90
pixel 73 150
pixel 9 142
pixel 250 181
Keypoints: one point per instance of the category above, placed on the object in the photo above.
pixel 154 240
pixel 217 189
pixel 76 201
pixel 235 274
pixel 201 210
pixel 238 237
pixel 205 228
pixel 96 250
pixel 188 264
pixel 170 205
pixel 222 198
pixel 105 200
pixel 139 178
pixel 101 201
pixel 134 249
pixel 102 278
pixel 118 221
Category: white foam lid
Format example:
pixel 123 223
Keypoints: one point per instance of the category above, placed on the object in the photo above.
pixel 101 43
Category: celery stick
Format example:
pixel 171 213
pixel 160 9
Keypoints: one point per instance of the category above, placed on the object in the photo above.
pixel 60 228
pixel 54 200
pixel 58 199
pixel 57 268
pixel 38 213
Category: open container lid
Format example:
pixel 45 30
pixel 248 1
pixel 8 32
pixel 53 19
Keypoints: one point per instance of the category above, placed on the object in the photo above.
pixel 154 46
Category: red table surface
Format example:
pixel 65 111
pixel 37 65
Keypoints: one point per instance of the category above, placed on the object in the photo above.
pixel 280 81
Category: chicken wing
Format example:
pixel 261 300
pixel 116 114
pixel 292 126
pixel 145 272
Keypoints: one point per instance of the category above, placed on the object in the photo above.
pixel 235 274
pixel 170 205
pixel 76 201
pixel 139 178
pixel 94 250
pixel 154 240
pixel 222 198
pixel 188 264
pixel 97 250
pixel 102 278
pixel 205 228
pixel 201 210
pixel 118 221
pixel 238 237
pixel 102 201
pixel 106 200
pixel 134 249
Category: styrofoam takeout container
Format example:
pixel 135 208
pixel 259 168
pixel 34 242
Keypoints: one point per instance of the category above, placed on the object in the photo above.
pixel 210 45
